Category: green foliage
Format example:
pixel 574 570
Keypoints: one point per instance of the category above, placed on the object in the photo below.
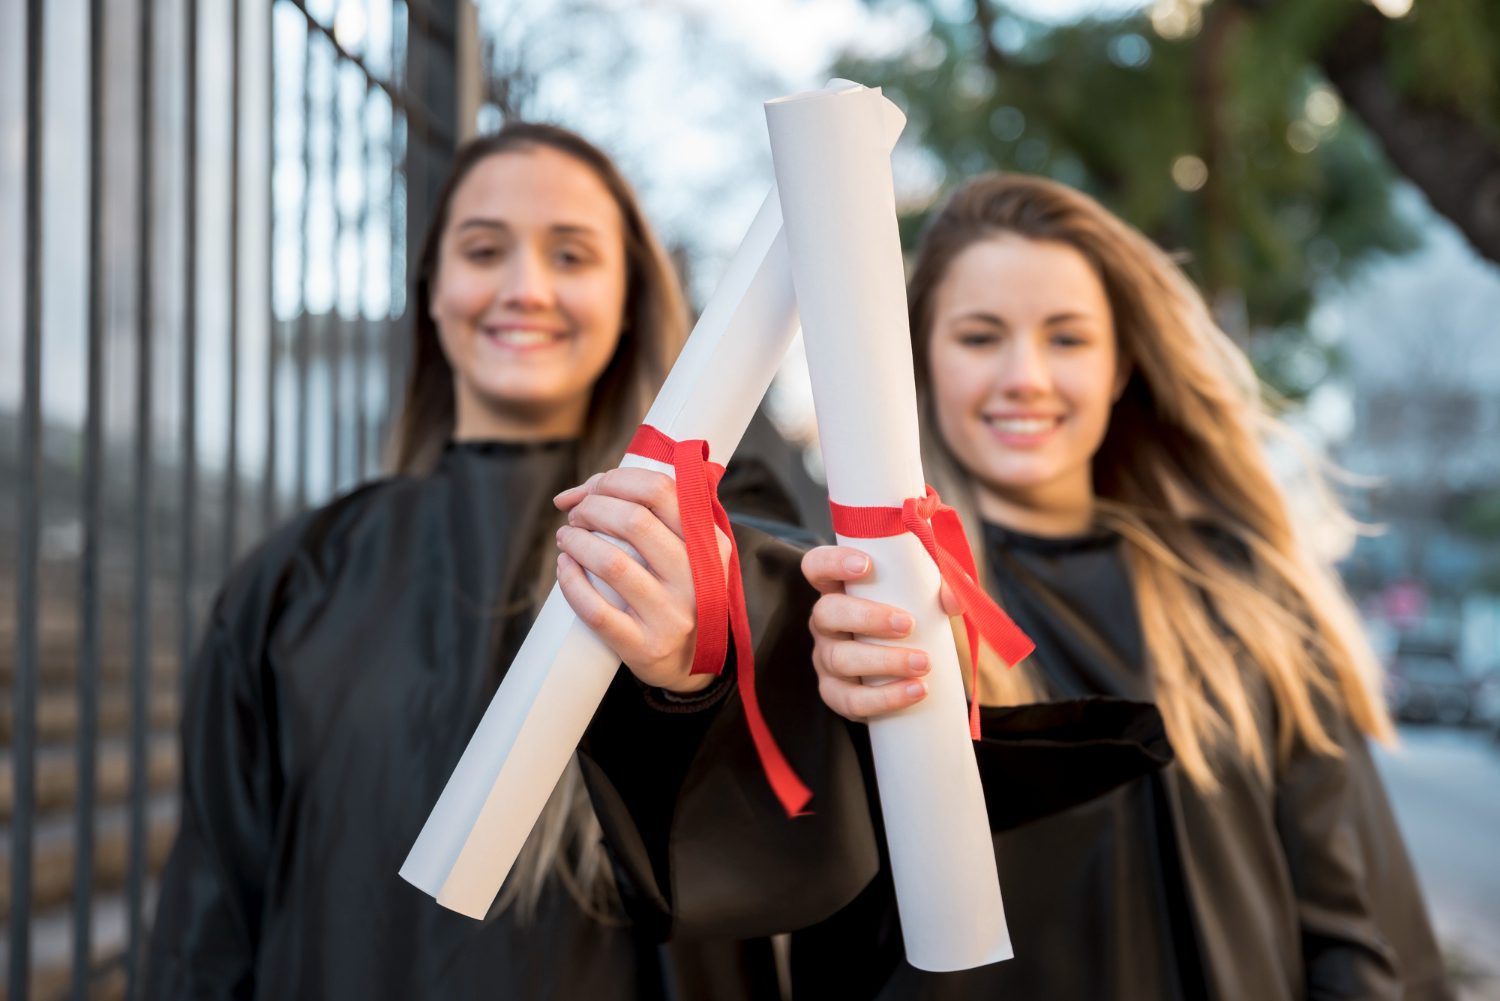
pixel 1478 514
pixel 1296 192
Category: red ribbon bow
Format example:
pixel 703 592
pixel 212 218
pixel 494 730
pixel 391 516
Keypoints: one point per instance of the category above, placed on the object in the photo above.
pixel 942 534
pixel 720 600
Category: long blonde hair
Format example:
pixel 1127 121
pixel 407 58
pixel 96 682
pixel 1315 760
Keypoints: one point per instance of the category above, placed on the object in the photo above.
pixel 566 842
pixel 1186 445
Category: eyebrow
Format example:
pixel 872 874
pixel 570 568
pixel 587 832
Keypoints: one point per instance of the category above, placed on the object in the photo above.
pixel 565 229
pixel 990 318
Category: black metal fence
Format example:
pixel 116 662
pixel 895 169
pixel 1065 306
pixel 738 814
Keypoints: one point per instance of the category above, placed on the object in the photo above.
pixel 204 215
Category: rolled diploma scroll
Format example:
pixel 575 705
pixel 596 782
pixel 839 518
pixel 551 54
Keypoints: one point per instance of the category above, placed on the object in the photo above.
pixel 552 689
pixel 831 153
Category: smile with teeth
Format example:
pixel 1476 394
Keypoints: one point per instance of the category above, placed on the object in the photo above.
pixel 523 337
pixel 1023 425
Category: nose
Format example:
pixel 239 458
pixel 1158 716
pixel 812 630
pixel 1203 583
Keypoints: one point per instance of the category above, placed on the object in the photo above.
pixel 1024 372
pixel 526 282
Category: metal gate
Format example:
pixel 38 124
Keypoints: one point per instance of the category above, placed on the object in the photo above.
pixel 204 215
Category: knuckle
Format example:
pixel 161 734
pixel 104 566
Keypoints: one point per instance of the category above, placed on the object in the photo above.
pixel 615 563
pixel 639 519
pixel 592 615
pixel 833 696
pixel 661 490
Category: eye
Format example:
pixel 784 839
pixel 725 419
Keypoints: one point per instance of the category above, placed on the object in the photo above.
pixel 977 338
pixel 1069 339
pixel 572 257
pixel 481 253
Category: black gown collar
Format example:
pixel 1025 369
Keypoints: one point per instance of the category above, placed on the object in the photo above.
pixel 496 448
pixel 1047 545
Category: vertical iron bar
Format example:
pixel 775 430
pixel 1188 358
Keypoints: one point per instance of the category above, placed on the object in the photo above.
pixel 230 541
pixel 397 233
pixel 303 323
pixel 362 319
pixel 273 330
pixel 93 461
pixel 188 482
pixel 332 334
pixel 28 527
pixel 140 660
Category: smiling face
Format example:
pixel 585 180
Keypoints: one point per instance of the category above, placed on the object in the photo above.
pixel 529 293
pixel 1024 371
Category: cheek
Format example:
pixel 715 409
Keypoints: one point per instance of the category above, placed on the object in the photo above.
pixel 461 294
pixel 958 385
pixel 598 307
pixel 1090 391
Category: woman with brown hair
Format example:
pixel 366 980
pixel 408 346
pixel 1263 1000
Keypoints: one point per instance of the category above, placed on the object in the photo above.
pixel 1107 442
pixel 349 658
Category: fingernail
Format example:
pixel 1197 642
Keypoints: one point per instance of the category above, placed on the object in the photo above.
pixel 856 564
pixel 560 532
pixel 916 689
pixel 901 622
pixel 917 662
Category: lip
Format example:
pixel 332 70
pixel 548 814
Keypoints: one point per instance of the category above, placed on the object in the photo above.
pixel 523 338
pixel 1045 428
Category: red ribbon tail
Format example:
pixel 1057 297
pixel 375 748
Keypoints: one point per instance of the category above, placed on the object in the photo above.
pixel 696 505
pixel 790 790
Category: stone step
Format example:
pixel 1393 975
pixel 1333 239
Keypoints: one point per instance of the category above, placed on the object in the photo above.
pixel 57 775
pixel 54 848
pixel 52 953
pixel 57 715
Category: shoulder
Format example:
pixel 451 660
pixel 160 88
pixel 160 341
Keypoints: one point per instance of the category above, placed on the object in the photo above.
pixel 295 558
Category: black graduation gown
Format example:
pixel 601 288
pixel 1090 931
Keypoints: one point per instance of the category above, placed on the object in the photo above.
pixel 346 663
pixel 1296 889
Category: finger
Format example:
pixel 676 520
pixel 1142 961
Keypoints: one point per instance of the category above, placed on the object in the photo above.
pixel 951 605
pixel 842 613
pixel 614 627
pixel 570 497
pixel 647 598
pixel 639 527
pixel 853 660
pixel 859 702
pixel 828 567
pixel 646 487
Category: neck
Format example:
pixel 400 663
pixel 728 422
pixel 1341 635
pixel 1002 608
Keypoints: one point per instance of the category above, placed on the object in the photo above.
pixel 476 421
pixel 1037 513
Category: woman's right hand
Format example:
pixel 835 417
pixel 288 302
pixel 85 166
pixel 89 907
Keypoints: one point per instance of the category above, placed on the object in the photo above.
pixel 840 624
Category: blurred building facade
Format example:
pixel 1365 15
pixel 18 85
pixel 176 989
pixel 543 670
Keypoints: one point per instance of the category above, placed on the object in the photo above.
pixel 1416 338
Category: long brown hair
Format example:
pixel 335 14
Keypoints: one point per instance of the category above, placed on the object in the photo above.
pixel 1186 445
pixel 565 843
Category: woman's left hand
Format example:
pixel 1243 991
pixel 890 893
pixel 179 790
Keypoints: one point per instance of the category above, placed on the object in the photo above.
pixel 655 633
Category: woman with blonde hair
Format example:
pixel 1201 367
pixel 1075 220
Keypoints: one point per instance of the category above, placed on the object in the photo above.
pixel 1107 445
pixel 349 658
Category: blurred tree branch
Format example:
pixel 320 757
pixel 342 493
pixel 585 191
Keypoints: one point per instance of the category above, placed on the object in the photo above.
pixel 1443 149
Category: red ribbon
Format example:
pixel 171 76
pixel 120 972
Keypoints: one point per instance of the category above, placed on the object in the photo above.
pixel 720 600
pixel 942 534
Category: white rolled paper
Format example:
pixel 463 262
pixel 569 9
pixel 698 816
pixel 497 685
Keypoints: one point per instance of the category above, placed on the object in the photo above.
pixel 831 152
pixel 553 688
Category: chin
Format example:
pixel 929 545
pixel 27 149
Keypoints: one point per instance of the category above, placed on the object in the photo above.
pixel 1016 477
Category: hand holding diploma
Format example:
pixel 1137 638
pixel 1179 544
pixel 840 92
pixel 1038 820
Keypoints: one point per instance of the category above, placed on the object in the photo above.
pixel 655 633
